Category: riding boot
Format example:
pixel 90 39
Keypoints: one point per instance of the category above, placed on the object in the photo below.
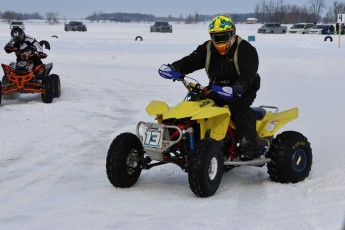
pixel 247 149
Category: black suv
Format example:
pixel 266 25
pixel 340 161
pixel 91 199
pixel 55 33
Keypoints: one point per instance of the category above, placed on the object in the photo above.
pixel 75 26
pixel 162 27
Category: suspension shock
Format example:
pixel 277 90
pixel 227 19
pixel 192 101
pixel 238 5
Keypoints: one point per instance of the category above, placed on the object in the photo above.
pixel 190 131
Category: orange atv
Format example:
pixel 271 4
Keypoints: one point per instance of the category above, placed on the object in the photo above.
pixel 23 77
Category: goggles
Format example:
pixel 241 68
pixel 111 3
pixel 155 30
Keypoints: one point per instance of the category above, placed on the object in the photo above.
pixel 221 37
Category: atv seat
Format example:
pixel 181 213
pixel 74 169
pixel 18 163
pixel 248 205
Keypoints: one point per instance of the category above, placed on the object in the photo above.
pixel 259 112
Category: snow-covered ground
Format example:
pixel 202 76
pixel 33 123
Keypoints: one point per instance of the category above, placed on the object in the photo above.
pixel 52 156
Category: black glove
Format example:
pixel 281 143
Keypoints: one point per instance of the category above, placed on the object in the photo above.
pixel 9 49
pixel 238 90
pixel 42 55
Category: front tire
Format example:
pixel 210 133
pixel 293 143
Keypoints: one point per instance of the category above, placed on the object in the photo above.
pixel 291 157
pixel 124 158
pixel 56 85
pixel 206 168
pixel 47 96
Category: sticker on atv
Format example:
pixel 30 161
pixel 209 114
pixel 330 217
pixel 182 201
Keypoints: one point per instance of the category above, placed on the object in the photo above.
pixel 153 137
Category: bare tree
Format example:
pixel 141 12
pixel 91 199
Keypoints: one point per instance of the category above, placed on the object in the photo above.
pixel 338 8
pixel 52 18
pixel 189 19
pixel 96 16
pixel 276 11
pixel 196 17
pixel 316 7
pixel 9 16
pixel 270 11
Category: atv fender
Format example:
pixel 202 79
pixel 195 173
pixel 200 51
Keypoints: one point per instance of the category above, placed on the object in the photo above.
pixel 215 120
pixel 272 122
pixel 45 44
pixel 157 108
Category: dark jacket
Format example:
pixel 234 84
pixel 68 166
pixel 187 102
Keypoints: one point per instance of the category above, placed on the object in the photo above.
pixel 221 68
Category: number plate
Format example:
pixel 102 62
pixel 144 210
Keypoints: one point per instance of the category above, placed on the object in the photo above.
pixel 153 137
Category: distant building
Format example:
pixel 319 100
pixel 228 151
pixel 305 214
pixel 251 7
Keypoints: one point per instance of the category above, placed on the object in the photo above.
pixel 251 21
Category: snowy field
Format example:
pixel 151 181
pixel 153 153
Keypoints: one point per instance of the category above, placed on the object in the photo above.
pixel 52 156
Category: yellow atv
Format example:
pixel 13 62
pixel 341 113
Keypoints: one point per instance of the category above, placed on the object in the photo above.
pixel 199 136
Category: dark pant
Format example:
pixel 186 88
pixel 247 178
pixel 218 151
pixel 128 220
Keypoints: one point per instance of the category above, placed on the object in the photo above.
pixel 244 119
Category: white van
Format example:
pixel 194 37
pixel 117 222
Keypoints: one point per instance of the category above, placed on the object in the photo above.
pixel 301 28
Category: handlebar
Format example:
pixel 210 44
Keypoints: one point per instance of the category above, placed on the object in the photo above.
pixel 25 54
pixel 194 88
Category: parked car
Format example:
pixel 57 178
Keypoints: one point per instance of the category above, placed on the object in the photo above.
pixel 328 29
pixel 272 28
pixel 17 24
pixel 75 26
pixel 301 28
pixel 317 29
pixel 162 27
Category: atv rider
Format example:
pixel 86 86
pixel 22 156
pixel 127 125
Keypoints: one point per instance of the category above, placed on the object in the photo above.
pixel 21 42
pixel 229 61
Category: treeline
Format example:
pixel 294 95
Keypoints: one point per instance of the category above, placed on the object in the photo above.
pixel 277 11
pixel 137 17
pixel 120 17
pixel 11 15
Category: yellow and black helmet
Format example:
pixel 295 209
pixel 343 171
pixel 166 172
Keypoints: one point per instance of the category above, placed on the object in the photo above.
pixel 223 33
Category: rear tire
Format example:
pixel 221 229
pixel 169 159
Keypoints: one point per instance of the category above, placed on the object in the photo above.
pixel 56 85
pixel 124 158
pixel 47 96
pixel 206 167
pixel 291 157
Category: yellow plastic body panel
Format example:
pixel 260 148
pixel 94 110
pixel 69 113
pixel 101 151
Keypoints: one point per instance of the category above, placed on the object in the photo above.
pixel 272 122
pixel 188 109
pixel 157 108
pixel 214 119
pixel 209 117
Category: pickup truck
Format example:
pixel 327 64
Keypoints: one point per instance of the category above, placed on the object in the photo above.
pixel 162 27
pixel 272 28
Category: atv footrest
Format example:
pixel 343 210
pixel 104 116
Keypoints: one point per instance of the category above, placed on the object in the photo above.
pixel 255 162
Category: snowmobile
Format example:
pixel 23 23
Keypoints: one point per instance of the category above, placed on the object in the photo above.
pixel 23 77
pixel 199 136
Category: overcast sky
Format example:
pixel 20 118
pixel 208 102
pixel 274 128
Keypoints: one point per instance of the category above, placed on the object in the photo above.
pixel 176 8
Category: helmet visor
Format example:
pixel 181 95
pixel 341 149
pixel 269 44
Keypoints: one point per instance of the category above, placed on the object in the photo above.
pixel 17 35
pixel 221 37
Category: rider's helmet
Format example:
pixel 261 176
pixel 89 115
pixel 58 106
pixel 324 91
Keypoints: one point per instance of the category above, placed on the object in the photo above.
pixel 223 33
pixel 17 34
